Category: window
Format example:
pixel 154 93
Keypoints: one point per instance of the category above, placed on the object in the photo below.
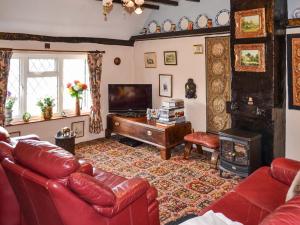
pixel 33 77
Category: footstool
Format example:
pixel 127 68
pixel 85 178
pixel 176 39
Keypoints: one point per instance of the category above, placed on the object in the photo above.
pixel 200 139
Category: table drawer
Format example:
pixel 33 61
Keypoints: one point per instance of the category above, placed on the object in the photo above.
pixel 138 131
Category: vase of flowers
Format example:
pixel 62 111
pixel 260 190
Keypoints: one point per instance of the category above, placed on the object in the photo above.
pixel 46 105
pixel 9 104
pixel 76 90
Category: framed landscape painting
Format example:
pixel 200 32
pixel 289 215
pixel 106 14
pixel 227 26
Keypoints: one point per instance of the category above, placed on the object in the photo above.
pixel 150 60
pixel 170 58
pixel 250 23
pixel 250 58
pixel 165 85
pixel 78 128
pixel 293 50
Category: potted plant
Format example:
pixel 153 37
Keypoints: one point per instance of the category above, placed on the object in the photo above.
pixel 9 104
pixel 76 91
pixel 46 105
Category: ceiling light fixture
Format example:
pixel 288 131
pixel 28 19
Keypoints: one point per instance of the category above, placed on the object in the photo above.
pixel 128 5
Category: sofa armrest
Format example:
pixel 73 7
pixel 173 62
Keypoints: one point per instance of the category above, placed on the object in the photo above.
pixel 285 170
pixel 6 151
pixel 126 193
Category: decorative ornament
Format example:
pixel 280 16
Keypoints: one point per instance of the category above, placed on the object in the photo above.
pixel 129 6
pixel 190 89
pixel 117 61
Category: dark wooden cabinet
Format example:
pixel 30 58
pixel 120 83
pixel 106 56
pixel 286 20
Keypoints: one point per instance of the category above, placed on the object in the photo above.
pixel 240 151
pixel 163 137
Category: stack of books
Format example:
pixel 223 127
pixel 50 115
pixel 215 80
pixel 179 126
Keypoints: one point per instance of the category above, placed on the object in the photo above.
pixel 171 112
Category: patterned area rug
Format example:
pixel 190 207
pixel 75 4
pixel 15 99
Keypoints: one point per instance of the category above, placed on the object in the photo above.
pixel 184 186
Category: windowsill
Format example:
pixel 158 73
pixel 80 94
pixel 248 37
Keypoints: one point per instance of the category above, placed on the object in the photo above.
pixel 37 119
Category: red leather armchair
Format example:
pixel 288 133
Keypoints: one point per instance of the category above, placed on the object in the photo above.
pixel 260 198
pixel 9 207
pixel 52 188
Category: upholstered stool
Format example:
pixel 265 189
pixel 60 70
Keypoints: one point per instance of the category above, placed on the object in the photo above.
pixel 200 139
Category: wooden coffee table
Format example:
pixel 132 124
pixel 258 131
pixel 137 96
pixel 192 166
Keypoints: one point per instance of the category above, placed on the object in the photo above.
pixel 163 137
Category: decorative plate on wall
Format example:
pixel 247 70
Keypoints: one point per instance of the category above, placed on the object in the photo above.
pixel 223 18
pixel 167 26
pixel 296 13
pixel 152 26
pixel 201 21
pixel 183 23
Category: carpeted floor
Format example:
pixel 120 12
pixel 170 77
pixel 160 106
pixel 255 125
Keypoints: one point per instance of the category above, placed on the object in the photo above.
pixel 184 186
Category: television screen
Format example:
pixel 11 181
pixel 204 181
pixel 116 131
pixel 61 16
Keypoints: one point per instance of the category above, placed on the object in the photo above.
pixel 129 97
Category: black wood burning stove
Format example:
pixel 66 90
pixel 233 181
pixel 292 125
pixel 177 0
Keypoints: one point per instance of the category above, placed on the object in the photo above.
pixel 240 152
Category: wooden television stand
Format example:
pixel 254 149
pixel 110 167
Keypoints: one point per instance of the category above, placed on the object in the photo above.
pixel 163 137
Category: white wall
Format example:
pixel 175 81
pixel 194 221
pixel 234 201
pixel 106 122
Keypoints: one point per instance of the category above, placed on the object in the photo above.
pixel 123 73
pixel 292 124
pixel 189 66
pixel 83 18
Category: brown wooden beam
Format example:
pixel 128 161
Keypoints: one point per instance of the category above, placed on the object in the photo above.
pixel 167 2
pixel 146 5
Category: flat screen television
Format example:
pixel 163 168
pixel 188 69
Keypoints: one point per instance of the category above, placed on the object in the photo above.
pixel 124 98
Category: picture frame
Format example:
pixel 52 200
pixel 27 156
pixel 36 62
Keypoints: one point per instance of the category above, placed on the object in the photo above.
pixel 250 58
pixel 198 49
pixel 250 23
pixel 170 58
pixel 15 134
pixel 293 64
pixel 150 60
pixel 165 85
pixel 78 128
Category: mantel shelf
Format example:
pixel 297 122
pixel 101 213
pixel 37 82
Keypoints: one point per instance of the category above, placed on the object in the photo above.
pixel 293 23
pixel 186 33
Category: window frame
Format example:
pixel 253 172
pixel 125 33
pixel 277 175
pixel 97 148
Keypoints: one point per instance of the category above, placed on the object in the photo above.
pixel 59 74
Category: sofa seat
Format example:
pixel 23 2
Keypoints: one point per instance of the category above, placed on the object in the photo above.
pixel 262 190
pixel 261 197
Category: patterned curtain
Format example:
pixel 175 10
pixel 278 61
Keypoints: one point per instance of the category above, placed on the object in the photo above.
pixel 5 56
pixel 95 67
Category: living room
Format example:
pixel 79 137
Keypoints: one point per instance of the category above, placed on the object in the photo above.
pixel 67 71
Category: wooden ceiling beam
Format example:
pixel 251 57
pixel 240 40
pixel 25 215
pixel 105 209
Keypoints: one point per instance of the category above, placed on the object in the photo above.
pixel 146 5
pixel 166 2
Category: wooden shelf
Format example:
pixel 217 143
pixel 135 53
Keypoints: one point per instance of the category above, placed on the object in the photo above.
pixel 293 23
pixel 38 119
pixel 179 34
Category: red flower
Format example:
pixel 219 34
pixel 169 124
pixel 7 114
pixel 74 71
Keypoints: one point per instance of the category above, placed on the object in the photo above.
pixel 69 85
pixel 84 86
pixel 76 81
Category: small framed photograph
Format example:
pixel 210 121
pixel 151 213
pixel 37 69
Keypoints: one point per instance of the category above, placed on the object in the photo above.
pixel 170 58
pixel 250 23
pixel 198 49
pixel 78 128
pixel 165 85
pixel 150 60
pixel 15 134
pixel 250 58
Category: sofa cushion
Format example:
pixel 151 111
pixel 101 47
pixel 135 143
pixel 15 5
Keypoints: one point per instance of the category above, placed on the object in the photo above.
pixel 238 208
pixel 262 190
pixel 91 190
pixel 287 214
pixel 45 158
pixel 294 188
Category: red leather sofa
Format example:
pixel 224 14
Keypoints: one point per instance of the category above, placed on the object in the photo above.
pixel 260 198
pixel 52 188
